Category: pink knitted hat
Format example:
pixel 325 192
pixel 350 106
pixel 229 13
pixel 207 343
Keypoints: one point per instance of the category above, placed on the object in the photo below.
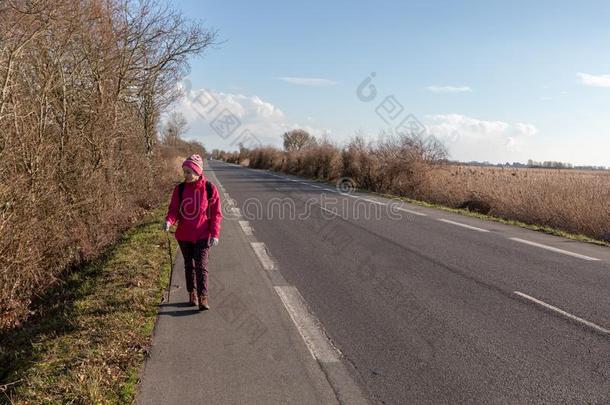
pixel 195 163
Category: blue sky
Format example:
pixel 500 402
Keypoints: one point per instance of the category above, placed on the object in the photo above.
pixel 495 80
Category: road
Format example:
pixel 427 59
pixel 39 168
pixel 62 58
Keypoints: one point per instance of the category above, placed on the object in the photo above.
pixel 427 306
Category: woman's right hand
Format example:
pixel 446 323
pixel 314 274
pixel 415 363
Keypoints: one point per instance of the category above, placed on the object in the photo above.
pixel 166 226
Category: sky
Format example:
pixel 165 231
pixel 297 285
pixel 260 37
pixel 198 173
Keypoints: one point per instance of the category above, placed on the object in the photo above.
pixel 497 81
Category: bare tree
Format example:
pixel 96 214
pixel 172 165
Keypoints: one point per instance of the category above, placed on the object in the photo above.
pixel 297 139
pixel 175 126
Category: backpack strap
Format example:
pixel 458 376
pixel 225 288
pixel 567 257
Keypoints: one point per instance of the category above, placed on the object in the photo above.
pixel 180 193
pixel 209 190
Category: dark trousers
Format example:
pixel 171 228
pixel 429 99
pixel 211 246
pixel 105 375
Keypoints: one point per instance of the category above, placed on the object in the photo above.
pixel 195 264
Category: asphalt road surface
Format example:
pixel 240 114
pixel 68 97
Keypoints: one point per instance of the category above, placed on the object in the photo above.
pixel 427 306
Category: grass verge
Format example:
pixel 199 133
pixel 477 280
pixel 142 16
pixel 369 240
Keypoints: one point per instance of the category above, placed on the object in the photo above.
pixel 90 334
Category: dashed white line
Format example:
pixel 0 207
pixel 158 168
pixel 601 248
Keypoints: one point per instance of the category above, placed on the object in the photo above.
pixel 373 201
pixel 245 226
pixel 308 326
pixel 554 249
pixel 412 212
pixel 327 210
pixel 563 313
pixel 474 228
pixel 261 253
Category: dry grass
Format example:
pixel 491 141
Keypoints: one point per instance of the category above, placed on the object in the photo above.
pixel 570 200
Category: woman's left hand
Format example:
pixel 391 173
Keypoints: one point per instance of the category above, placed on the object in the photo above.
pixel 212 242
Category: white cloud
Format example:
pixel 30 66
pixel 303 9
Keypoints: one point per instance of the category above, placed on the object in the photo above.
pixel 247 114
pixel 308 81
pixel 473 139
pixel 449 89
pixel 594 80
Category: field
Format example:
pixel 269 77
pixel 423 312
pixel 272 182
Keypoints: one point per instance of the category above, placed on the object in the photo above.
pixel 574 201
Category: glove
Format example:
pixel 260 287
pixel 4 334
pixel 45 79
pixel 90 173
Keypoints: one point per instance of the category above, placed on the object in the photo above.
pixel 212 242
pixel 166 226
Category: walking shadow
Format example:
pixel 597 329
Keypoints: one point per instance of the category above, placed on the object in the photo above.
pixel 182 309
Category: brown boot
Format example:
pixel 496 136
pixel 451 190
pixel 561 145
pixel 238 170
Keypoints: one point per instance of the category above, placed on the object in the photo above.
pixel 193 298
pixel 203 302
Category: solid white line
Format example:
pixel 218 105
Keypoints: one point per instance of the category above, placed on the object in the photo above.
pixel 474 228
pixel 373 201
pixel 313 185
pixel 245 226
pixel 412 212
pixel 236 212
pixel 554 249
pixel 261 252
pixel 308 326
pixel 562 312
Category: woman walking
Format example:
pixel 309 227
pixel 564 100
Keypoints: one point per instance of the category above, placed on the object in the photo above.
pixel 195 206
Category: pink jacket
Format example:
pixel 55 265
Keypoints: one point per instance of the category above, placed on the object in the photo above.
pixel 192 216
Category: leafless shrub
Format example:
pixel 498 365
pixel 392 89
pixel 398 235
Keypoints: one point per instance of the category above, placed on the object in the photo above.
pixel 82 86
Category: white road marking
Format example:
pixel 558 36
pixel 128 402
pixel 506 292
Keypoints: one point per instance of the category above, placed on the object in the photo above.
pixel 308 326
pixel 412 212
pixel 373 201
pixel 554 249
pixel 563 313
pixel 245 226
pixel 474 228
pixel 236 212
pixel 327 210
pixel 261 252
